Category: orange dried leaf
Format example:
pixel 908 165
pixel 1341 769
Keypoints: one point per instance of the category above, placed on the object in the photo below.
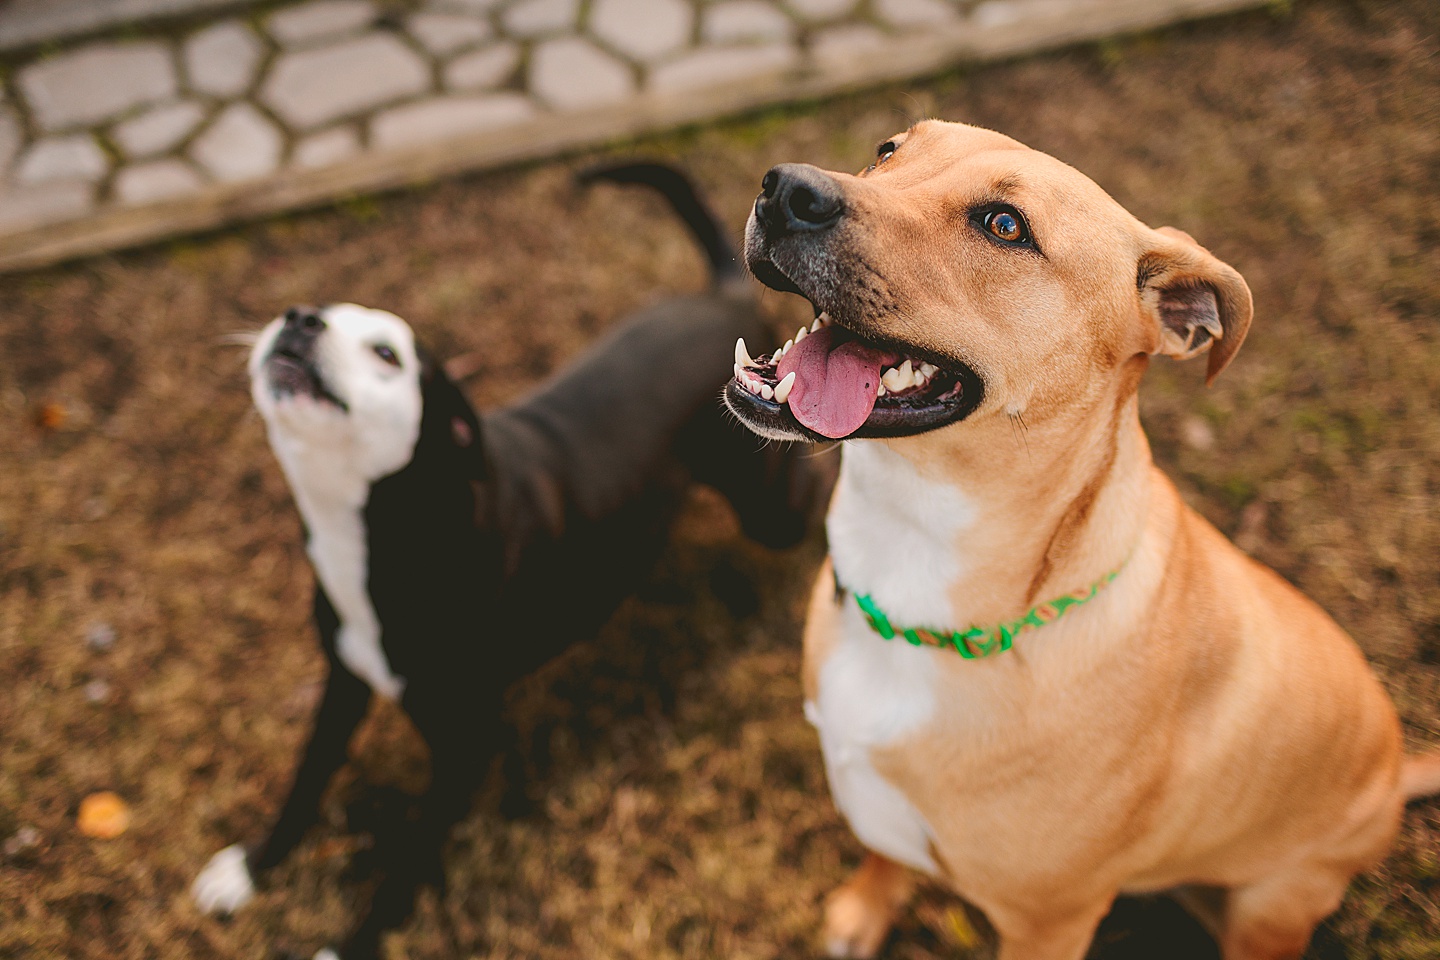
pixel 51 416
pixel 103 816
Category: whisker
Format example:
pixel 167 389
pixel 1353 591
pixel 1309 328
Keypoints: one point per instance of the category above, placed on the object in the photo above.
pixel 239 338
pixel 1020 429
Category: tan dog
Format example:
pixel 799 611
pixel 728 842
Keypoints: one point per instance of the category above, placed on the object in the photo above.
pixel 1190 721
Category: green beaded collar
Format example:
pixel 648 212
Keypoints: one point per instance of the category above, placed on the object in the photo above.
pixel 980 642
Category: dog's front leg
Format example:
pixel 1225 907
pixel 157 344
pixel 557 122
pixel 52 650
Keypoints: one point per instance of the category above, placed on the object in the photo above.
pixel 409 854
pixel 1037 933
pixel 861 911
pixel 228 881
pixel 341 710
pixel 1276 918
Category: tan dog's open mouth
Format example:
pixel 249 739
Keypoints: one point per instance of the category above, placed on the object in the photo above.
pixel 829 383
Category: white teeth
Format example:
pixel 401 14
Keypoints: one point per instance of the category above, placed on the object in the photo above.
pixel 928 369
pixel 742 356
pixel 765 391
pixel 752 385
pixel 899 378
pixel 788 345
pixel 880 390
pixel 737 371
pixel 782 389
pixel 801 334
pixel 815 326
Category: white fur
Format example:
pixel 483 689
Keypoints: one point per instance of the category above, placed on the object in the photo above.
pixel 225 885
pixel 326 953
pixel 332 456
pixel 892 535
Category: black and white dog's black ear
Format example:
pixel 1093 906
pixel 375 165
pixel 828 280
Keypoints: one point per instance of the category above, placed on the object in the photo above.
pixel 448 416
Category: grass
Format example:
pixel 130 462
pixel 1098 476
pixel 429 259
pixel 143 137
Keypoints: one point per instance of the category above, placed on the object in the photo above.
pixel 679 802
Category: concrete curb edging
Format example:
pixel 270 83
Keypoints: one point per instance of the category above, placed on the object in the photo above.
pixel 1049 24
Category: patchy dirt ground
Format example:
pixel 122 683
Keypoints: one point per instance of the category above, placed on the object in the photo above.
pixel 679 803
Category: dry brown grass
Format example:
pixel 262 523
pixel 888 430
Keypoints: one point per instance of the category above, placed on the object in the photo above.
pixel 680 804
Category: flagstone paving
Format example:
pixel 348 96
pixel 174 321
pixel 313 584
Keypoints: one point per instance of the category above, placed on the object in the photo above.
pixel 113 140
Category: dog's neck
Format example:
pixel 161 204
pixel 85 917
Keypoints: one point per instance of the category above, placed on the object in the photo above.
pixel 331 492
pixel 321 472
pixel 974 524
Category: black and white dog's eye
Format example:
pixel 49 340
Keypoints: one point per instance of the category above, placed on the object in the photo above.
pixel 388 355
pixel 1004 223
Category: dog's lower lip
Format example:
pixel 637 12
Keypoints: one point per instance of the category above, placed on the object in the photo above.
pixel 299 377
pixel 773 277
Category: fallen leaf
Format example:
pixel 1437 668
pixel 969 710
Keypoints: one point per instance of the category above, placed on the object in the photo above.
pixel 50 417
pixel 103 816
pixel 965 934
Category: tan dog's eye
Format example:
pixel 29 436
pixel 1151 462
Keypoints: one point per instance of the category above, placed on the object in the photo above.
pixel 1004 223
pixel 883 152
pixel 1005 226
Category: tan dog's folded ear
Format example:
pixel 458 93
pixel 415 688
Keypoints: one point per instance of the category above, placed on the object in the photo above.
pixel 1197 302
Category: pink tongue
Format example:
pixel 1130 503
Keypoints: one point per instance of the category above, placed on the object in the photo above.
pixel 835 382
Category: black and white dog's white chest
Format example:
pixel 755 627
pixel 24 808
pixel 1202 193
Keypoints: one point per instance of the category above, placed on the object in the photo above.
pixel 339 550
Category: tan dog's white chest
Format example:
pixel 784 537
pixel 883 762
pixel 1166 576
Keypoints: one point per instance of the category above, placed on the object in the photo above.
pixel 892 535
pixel 871 694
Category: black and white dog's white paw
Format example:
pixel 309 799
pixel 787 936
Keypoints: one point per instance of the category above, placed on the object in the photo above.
pixel 225 885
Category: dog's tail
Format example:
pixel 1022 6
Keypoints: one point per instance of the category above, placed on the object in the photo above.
pixel 676 187
pixel 1420 775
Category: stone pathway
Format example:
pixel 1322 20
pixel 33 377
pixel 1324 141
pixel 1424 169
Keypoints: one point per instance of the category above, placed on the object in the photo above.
pixel 111 141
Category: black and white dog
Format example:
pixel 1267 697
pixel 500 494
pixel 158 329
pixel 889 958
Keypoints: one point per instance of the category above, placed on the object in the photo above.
pixel 456 554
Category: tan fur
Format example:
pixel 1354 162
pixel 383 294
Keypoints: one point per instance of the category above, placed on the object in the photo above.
pixel 858 915
pixel 1200 721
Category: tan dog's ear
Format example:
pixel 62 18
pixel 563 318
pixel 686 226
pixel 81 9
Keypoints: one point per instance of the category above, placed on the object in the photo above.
pixel 1198 302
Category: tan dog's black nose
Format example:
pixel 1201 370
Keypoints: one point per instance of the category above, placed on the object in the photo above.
pixel 796 197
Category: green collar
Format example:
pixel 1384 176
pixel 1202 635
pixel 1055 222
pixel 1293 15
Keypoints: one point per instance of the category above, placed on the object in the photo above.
pixel 979 642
